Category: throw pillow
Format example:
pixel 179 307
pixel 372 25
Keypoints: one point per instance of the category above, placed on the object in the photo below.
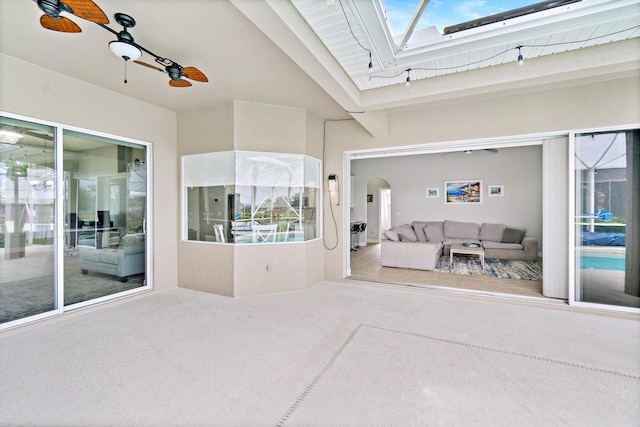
pixel 492 232
pixel 392 235
pixel 434 233
pixel 408 233
pixel 419 229
pixel 513 235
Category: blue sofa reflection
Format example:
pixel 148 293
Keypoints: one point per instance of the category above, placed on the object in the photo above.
pixel 119 257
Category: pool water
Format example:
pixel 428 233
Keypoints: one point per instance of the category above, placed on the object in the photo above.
pixel 602 262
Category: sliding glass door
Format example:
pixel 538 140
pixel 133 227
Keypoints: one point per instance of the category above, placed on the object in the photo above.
pixel 27 232
pixel 73 214
pixel 606 257
pixel 105 197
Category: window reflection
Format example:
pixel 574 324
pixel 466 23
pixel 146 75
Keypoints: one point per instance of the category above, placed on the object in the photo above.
pixel 251 197
pixel 105 239
pixel 27 194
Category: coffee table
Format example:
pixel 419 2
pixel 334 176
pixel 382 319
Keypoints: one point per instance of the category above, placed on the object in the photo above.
pixel 461 248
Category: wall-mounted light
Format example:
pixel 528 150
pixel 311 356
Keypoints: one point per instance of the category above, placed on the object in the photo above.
pixel 333 180
pixel 334 187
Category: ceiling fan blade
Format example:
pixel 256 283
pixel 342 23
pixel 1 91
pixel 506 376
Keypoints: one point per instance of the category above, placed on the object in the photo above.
pixel 194 74
pixel 86 9
pixel 149 66
pixel 179 83
pixel 62 24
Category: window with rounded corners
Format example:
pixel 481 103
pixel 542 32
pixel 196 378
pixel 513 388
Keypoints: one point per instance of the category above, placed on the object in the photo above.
pixel 251 197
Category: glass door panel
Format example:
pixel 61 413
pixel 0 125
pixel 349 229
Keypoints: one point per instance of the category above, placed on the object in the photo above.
pixel 27 206
pixel 105 213
pixel 605 205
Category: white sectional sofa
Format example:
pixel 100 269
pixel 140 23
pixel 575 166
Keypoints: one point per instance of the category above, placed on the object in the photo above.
pixel 420 244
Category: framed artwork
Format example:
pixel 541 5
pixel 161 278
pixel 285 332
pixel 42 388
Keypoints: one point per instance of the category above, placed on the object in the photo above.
pixel 496 191
pixel 433 193
pixel 369 198
pixel 465 192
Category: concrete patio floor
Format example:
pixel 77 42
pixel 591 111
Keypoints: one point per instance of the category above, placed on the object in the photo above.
pixel 337 354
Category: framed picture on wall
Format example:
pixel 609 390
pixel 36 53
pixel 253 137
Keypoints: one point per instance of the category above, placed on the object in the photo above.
pixel 433 193
pixel 463 192
pixel 496 190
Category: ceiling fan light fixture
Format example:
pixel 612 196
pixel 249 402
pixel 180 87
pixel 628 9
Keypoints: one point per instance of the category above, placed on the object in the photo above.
pixel 125 50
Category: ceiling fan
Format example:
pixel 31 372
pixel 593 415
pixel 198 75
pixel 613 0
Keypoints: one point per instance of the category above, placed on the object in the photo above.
pixel 85 9
pixel 124 47
pixel 128 49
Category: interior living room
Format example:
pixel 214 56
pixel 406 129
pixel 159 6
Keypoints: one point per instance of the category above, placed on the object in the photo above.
pixel 179 185
pixel 407 180
pixel 415 196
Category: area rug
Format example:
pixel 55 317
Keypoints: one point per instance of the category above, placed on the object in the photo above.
pixel 502 268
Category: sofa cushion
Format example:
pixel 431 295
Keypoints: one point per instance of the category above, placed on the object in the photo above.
pixel 513 235
pixel 109 256
pixel 90 255
pixel 406 233
pixel 419 229
pixel 132 249
pixel 433 230
pixel 461 230
pixel 133 239
pixel 488 244
pixel 492 232
pixel 434 233
pixel 392 235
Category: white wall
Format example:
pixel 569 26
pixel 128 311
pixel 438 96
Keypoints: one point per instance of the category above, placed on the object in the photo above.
pixel 519 169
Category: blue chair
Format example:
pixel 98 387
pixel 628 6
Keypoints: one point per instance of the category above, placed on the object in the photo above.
pixel 603 215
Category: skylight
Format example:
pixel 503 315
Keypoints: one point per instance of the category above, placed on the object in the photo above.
pixel 382 43
pixel 443 13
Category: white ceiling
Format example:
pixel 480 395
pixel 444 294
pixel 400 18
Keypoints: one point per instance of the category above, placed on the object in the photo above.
pixel 265 51
pixel 211 35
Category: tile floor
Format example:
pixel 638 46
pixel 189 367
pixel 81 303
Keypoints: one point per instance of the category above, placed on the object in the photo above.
pixel 365 264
